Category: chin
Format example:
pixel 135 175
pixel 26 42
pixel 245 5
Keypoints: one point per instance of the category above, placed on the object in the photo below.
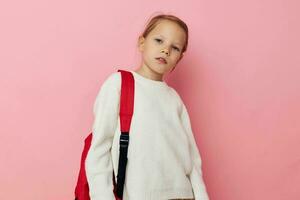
pixel 159 71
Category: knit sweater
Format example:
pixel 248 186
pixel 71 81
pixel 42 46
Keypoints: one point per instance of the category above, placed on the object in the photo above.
pixel 163 158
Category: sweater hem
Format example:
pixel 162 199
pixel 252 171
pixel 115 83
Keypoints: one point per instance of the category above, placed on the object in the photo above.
pixel 163 194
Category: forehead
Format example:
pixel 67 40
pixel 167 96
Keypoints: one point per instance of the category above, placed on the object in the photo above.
pixel 169 30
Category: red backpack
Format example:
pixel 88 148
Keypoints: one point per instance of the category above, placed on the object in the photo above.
pixel 126 111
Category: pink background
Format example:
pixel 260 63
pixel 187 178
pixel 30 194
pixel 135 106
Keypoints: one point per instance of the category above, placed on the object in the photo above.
pixel 239 80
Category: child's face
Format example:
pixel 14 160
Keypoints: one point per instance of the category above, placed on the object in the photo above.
pixel 167 36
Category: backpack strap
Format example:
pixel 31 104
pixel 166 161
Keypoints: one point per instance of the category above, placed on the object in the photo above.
pixel 126 112
pixel 126 100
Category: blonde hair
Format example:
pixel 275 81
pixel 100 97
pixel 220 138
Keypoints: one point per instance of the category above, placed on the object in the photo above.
pixel 152 23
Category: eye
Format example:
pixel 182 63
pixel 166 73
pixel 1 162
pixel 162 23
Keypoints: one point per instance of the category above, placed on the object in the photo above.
pixel 158 40
pixel 176 48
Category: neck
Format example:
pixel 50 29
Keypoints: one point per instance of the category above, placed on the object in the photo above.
pixel 149 73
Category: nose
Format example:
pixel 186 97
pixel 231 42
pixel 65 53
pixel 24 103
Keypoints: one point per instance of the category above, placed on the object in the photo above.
pixel 166 51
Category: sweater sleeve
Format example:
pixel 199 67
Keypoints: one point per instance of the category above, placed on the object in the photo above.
pixel 98 162
pixel 196 179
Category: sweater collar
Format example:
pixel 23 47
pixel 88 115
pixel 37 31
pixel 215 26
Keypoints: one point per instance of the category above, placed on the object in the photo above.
pixel 147 80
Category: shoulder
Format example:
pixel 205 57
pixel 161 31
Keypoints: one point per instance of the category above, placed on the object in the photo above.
pixel 110 86
pixel 176 96
pixel 113 80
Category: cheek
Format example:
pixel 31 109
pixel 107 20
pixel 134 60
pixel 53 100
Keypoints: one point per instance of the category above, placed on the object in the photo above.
pixel 176 57
pixel 150 51
pixel 148 54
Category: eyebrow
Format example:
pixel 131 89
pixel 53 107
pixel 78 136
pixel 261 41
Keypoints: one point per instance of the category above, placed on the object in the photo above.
pixel 174 43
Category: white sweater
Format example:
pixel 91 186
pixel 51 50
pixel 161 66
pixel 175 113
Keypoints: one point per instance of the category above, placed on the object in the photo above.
pixel 163 158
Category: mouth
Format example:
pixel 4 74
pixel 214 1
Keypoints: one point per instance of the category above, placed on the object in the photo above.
pixel 161 60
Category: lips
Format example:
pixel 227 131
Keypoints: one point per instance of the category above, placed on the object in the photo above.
pixel 162 60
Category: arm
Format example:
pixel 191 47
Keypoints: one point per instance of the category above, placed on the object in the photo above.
pixel 196 173
pixel 98 161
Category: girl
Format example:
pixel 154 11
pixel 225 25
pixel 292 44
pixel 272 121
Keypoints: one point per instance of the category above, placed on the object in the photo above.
pixel 163 159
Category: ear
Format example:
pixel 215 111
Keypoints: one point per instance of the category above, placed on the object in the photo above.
pixel 141 43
